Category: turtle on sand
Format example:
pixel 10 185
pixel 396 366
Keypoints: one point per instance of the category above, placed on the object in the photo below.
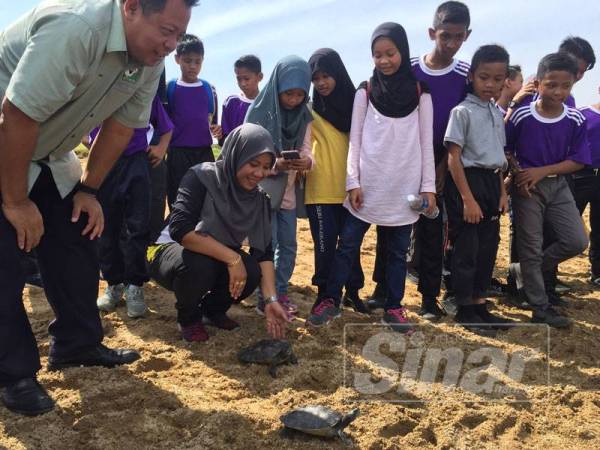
pixel 270 352
pixel 320 421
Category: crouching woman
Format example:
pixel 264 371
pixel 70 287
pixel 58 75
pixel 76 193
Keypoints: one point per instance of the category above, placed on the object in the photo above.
pixel 199 255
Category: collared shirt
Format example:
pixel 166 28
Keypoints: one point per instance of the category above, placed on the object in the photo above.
pixel 65 65
pixel 448 88
pixel 477 128
pixel 537 141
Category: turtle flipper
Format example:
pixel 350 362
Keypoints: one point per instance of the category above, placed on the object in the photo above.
pixel 345 439
pixel 293 359
pixel 273 370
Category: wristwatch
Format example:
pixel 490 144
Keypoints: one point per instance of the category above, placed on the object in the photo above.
pixel 512 105
pixel 271 299
pixel 80 187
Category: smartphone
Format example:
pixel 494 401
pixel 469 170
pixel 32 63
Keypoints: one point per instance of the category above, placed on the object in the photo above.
pixel 290 154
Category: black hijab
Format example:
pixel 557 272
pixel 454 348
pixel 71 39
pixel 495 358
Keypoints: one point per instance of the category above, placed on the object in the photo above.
pixel 336 108
pixel 231 213
pixel 394 95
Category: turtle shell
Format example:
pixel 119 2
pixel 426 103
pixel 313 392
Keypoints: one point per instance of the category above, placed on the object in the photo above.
pixel 317 420
pixel 264 351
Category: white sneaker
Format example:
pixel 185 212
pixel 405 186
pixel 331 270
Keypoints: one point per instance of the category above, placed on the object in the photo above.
pixel 134 297
pixel 111 297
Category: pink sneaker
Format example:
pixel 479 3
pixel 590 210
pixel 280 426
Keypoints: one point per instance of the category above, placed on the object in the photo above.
pixel 397 320
pixel 323 313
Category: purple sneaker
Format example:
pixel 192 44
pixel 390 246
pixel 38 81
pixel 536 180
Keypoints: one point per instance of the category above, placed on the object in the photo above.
pixel 397 320
pixel 323 313
pixel 284 301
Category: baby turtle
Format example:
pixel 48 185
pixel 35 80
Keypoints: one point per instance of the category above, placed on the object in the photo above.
pixel 269 352
pixel 320 421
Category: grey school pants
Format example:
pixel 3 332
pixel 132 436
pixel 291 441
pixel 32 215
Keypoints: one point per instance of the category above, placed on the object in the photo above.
pixel 551 203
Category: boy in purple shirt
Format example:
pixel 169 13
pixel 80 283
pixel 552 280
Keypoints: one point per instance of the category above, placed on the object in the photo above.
pixel 125 199
pixel 248 73
pixel 586 187
pixel 192 105
pixel 548 140
pixel 446 78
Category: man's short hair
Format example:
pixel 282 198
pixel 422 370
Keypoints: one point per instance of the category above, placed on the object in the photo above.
pixel 557 61
pixel 513 71
pixel 453 12
pixel 156 6
pixel 579 48
pixel 190 44
pixel 250 62
pixel 492 53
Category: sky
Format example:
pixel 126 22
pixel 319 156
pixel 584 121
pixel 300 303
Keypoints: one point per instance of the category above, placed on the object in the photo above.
pixel 272 29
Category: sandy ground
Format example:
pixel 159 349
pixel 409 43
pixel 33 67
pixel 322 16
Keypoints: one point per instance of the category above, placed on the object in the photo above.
pixel 182 395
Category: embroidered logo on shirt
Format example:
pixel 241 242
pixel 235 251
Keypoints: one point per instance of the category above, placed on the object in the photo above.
pixel 132 75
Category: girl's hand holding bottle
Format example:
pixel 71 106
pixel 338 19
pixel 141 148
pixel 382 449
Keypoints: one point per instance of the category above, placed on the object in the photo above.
pixel 431 201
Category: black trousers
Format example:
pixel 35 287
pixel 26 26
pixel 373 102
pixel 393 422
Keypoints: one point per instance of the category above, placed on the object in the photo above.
pixel 200 283
pixel 586 190
pixel 179 160
pixel 475 245
pixel 69 268
pixel 158 200
pixel 429 240
pixel 125 197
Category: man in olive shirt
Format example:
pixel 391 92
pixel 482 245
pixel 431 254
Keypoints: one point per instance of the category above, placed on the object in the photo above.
pixel 65 67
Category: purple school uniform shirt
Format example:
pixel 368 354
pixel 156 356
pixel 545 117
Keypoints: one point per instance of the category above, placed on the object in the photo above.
pixel 159 123
pixel 448 88
pixel 537 141
pixel 189 112
pixel 592 116
pixel 234 112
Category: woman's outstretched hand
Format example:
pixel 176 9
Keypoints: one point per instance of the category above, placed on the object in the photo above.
pixel 277 320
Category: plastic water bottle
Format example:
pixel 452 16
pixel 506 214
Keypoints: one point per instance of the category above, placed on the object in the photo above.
pixel 420 204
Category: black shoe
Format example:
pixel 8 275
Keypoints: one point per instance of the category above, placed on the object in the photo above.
pixel 556 300
pixel 352 300
pixel 496 322
pixel 430 310
pixel 27 397
pixel 550 317
pixel 496 289
pixel 471 321
pixel 96 356
pixel 378 298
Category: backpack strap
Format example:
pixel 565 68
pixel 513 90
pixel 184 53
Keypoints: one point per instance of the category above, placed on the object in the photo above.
pixel 212 107
pixel 171 92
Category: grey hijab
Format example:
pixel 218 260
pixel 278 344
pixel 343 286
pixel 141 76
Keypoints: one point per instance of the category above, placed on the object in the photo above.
pixel 231 213
pixel 286 127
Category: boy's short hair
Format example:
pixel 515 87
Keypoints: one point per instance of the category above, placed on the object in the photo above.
pixel 452 12
pixel 557 61
pixel 513 71
pixel 579 48
pixel 492 53
pixel 190 44
pixel 250 62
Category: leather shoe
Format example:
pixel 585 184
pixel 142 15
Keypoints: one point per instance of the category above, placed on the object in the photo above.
pixel 27 397
pixel 95 356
